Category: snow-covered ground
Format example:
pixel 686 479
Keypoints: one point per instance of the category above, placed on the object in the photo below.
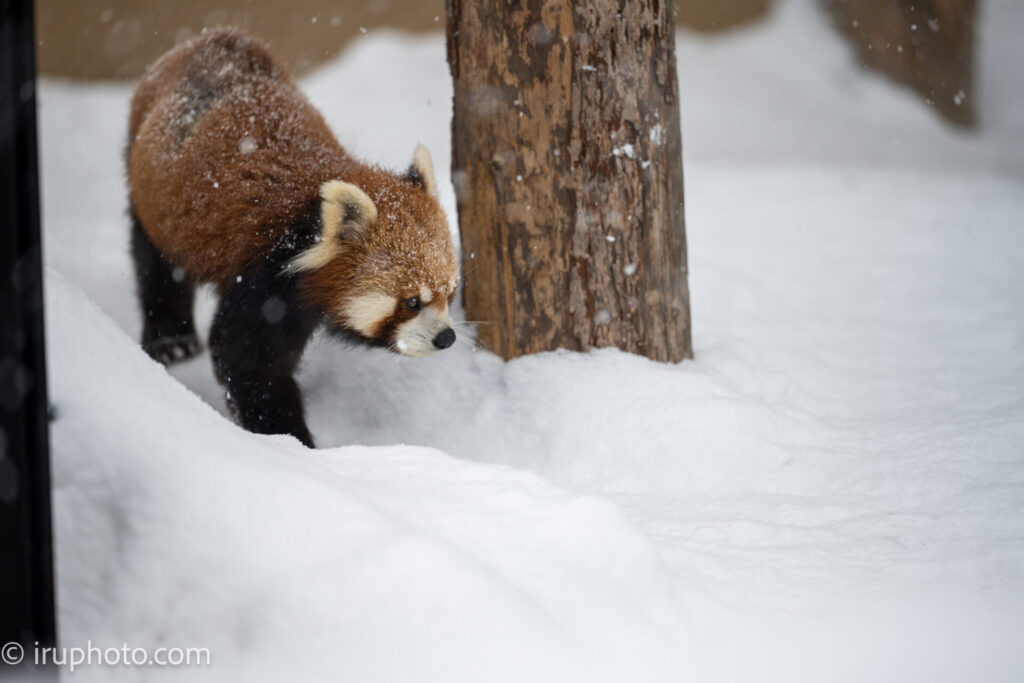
pixel 832 490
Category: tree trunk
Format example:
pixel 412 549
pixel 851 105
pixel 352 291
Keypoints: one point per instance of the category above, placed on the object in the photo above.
pixel 567 164
pixel 926 44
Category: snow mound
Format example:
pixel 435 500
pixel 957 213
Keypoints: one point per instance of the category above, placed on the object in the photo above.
pixel 177 528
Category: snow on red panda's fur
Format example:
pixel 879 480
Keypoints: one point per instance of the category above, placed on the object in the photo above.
pixel 235 179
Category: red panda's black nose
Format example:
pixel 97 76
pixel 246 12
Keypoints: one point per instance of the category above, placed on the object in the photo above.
pixel 444 338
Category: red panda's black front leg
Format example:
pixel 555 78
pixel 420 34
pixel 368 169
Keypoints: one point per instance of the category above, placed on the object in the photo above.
pixel 166 294
pixel 257 339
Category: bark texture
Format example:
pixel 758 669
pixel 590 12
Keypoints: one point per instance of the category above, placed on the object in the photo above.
pixel 567 163
pixel 926 44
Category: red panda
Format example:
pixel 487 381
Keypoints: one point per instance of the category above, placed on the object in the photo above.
pixel 235 179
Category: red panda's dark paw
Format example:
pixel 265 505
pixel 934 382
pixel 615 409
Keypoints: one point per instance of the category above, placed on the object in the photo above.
pixel 169 350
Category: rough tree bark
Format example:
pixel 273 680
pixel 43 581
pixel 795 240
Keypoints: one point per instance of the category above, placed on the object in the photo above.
pixel 568 173
pixel 926 44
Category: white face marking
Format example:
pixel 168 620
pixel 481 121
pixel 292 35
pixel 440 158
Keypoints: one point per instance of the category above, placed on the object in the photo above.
pixel 415 337
pixel 425 294
pixel 365 313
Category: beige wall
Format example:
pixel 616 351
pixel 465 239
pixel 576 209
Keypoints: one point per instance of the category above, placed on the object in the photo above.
pixel 118 38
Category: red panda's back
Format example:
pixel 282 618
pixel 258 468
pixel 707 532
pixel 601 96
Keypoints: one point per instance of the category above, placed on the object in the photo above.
pixel 225 154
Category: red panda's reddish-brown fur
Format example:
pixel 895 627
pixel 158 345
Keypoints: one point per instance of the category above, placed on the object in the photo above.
pixel 235 179
pixel 207 201
pixel 226 154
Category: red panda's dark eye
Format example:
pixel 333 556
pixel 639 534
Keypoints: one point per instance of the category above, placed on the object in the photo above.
pixel 413 304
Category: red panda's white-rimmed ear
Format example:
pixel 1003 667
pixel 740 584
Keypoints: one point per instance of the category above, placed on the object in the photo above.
pixel 421 171
pixel 345 214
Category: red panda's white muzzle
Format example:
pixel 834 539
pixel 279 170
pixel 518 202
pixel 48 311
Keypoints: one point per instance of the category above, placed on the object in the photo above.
pixel 427 333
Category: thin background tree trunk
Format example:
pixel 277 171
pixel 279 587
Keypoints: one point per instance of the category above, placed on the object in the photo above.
pixel 926 44
pixel 567 166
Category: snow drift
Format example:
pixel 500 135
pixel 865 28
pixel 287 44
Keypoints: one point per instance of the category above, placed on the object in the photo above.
pixel 394 563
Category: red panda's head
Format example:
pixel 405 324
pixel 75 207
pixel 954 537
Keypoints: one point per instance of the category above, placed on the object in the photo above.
pixel 384 266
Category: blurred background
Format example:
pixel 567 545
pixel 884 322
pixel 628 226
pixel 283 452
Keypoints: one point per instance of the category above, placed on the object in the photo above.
pixel 118 38
pixel 924 44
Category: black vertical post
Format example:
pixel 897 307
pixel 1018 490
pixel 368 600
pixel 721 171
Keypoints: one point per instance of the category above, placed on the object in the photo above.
pixel 26 555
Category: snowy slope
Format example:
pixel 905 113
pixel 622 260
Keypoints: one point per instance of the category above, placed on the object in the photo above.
pixel 831 491
pixel 177 527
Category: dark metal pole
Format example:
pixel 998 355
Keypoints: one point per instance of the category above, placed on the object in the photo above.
pixel 26 554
